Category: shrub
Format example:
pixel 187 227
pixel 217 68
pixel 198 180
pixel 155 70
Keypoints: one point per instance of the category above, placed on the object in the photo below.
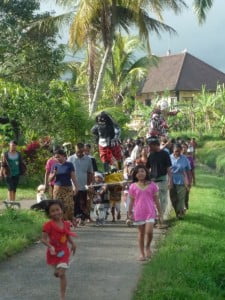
pixel 213 155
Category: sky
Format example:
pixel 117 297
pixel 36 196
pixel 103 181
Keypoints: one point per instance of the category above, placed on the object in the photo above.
pixel 206 41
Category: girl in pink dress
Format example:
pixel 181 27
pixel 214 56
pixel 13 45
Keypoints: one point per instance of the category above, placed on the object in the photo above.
pixel 143 203
pixel 56 236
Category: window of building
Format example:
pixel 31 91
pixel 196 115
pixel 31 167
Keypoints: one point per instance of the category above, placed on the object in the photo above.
pixel 148 102
pixel 187 98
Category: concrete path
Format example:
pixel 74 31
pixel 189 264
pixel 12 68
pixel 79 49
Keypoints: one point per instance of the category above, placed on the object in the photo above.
pixel 105 267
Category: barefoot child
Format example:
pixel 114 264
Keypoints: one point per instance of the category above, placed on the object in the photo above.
pixel 142 209
pixel 56 236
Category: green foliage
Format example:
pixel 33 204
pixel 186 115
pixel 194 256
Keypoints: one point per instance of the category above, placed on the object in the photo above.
pixel 18 229
pixel 28 55
pixel 36 164
pixel 126 72
pixel 59 113
pixel 189 263
pixel 203 115
pixel 213 155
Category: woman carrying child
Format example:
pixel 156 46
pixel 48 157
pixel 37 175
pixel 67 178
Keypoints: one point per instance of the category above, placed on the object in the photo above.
pixel 56 235
pixel 142 209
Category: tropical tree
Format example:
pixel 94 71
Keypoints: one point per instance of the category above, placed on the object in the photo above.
pixel 27 55
pixel 95 23
pixel 59 112
pixel 101 19
pixel 126 70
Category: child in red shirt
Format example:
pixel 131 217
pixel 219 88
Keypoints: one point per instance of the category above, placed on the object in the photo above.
pixel 56 236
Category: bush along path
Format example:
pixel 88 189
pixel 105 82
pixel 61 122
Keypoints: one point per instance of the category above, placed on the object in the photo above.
pixel 18 229
pixel 190 261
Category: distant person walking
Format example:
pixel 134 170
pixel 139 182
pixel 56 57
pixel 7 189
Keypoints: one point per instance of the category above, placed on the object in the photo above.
pixel 49 186
pixel 87 151
pixel 159 165
pixel 191 173
pixel 11 169
pixel 180 180
pixel 84 174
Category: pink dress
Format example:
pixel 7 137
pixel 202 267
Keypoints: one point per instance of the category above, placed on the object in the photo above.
pixel 58 238
pixel 144 205
pixel 49 164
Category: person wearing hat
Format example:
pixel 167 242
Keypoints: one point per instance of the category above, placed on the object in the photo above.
pixel 11 169
pixel 99 195
pixel 159 165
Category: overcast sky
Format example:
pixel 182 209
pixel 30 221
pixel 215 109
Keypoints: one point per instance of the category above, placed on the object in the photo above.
pixel 206 41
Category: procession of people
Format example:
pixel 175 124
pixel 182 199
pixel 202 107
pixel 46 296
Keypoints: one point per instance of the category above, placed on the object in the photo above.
pixel 141 177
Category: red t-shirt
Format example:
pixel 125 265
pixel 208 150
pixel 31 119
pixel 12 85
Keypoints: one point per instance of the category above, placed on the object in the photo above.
pixel 58 238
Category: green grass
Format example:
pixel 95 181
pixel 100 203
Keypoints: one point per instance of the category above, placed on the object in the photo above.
pixel 26 189
pixel 18 229
pixel 190 262
pixel 212 154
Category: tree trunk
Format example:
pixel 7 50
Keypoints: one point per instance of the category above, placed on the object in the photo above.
pixel 107 54
pixel 91 64
pixel 100 80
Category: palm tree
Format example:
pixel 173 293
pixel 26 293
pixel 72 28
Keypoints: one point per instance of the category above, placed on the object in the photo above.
pixel 96 21
pixel 125 70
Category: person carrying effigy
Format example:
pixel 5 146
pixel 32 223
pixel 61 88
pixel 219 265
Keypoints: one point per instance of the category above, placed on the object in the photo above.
pixel 98 193
pixel 158 123
pixel 107 134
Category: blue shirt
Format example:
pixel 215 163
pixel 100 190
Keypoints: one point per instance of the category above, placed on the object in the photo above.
pixel 179 166
pixel 63 174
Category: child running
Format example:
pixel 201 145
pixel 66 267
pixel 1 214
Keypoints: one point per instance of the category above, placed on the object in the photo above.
pixel 56 236
pixel 142 209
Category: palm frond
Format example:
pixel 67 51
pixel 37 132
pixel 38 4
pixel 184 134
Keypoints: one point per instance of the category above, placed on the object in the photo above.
pixel 175 5
pixel 46 23
pixel 201 7
pixel 85 23
pixel 148 24
pixel 68 3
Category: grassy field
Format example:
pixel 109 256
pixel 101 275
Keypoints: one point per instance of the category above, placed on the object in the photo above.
pixel 212 154
pixel 18 229
pixel 190 263
pixel 26 189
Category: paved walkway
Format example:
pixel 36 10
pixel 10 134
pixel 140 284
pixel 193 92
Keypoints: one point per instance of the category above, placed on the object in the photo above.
pixel 105 267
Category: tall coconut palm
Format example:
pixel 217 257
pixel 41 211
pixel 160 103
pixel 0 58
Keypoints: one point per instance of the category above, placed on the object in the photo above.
pixel 96 21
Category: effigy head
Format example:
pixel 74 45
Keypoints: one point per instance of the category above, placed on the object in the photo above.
pixel 163 104
pixel 155 116
pixel 103 118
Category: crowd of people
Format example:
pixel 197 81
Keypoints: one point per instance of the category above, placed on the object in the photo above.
pixel 154 172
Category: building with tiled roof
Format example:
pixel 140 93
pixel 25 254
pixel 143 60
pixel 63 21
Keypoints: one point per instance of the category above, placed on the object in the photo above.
pixel 179 77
